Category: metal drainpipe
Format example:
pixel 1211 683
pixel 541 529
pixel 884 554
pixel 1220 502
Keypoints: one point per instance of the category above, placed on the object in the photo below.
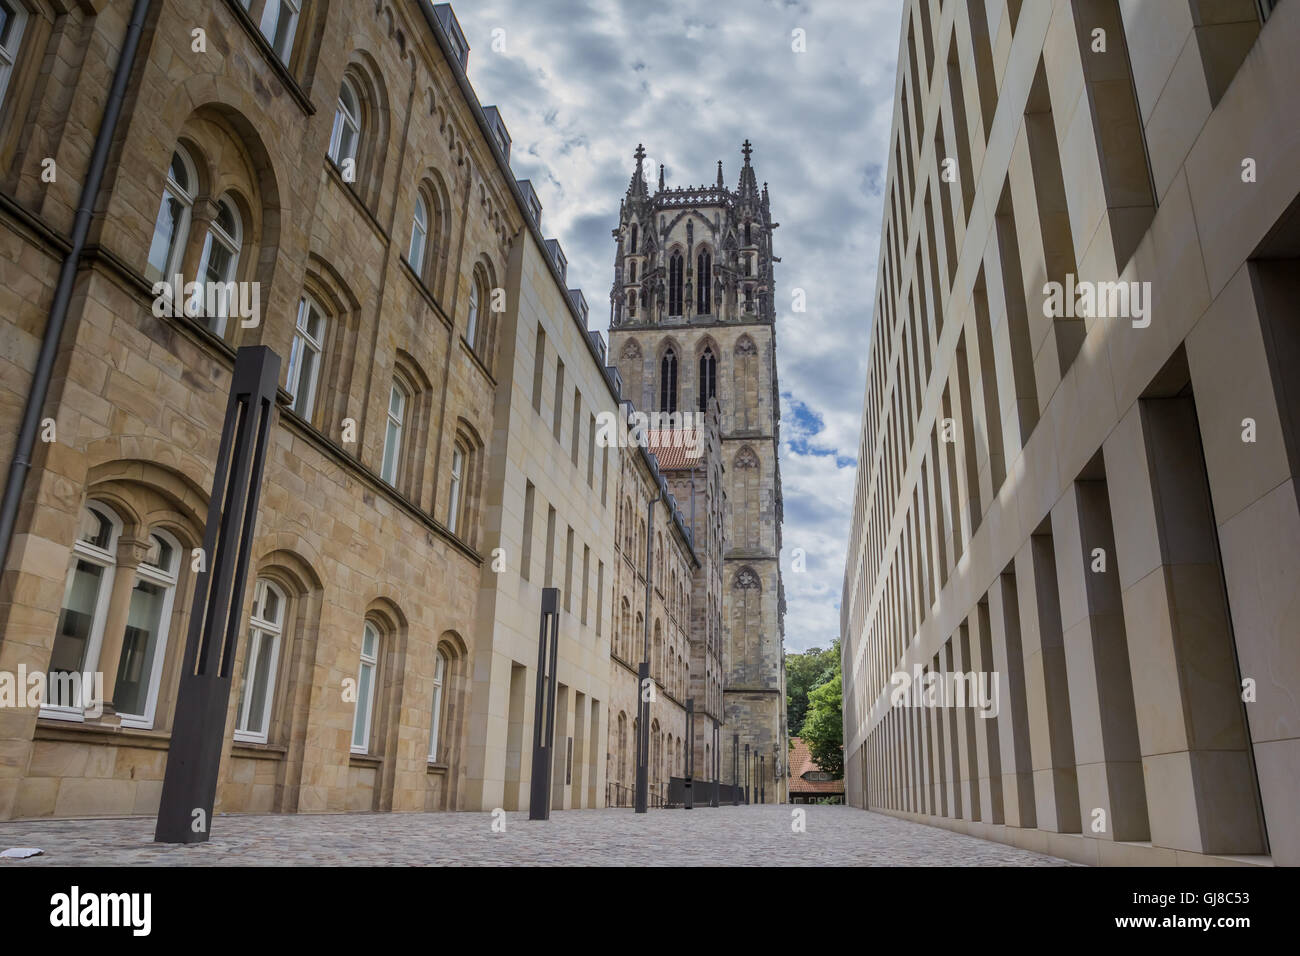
pixel 40 388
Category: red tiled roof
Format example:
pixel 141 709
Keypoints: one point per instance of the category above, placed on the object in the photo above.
pixel 801 762
pixel 675 448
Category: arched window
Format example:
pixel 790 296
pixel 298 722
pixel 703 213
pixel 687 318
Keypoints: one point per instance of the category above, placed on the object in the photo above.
pixel 703 280
pixel 419 236
pixel 668 382
pixel 631 271
pixel 257 694
pixel 85 608
pixel 13 20
pixel 439 675
pixel 631 304
pixel 173 222
pixel 749 239
pixel 633 248
pixel 279 24
pixel 477 296
pixel 214 290
pixel 398 399
pixel 367 675
pixel 139 669
pixel 675 268
pixel 708 378
pixel 305 357
pixel 346 134
pixel 459 458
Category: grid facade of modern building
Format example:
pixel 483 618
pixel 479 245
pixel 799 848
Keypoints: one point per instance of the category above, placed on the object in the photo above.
pixel 1079 443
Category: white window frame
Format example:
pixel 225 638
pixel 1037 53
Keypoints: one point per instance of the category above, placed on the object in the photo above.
pixel 261 628
pixel 393 434
pixel 105 558
pixel 272 17
pixel 9 49
pixel 420 231
pixel 304 341
pixel 166 579
pixel 218 235
pixel 178 241
pixel 370 661
pixel 435 723
pixel 459 455
pixel 349 118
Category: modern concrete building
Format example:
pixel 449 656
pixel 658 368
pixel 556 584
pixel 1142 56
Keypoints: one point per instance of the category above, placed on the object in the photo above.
pixel 1081 434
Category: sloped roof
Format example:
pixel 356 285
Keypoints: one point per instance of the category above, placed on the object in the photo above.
pixel 675 448
pixel 801 762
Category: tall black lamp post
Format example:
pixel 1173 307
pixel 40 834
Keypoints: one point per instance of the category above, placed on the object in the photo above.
pixel 548 640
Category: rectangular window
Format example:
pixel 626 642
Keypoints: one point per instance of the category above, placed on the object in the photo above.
pixel 577 426
pixel 265 625
pixel 604 476
pixel 586 580
pixel 549 577
pixel 526 557
pixel 591 451
pixel 600 594
pixel 539 369
pixel 568 571
pixel 559 399
pixel 279 23
pixel 393 435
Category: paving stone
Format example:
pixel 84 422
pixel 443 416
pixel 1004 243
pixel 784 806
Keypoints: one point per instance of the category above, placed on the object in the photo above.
pixel 727 836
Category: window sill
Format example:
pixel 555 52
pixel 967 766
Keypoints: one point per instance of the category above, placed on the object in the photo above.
pixel 474 356
pixel 364 760
pixel 253 750
pixel 352 193
pixel 425 291
pixel 66 730
pixel 277 65
pixel 439 769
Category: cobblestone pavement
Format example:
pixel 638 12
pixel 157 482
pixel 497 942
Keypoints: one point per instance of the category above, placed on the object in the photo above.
pixel 735 836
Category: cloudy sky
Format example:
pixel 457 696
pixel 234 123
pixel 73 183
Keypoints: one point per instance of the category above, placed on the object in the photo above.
pixel 581 82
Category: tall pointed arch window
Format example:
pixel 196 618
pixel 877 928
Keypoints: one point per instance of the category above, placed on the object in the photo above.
pixel 139 669
pixel 668 382
pixel 419 236
pixel 173 222
pixel 305 357
pixel 675 268
pixel 13 19
pixel 633 246
pixel 347 125
pixel 708 378
pixel 217 265
pixel 265 626
pixel 704 281
pixel 631 271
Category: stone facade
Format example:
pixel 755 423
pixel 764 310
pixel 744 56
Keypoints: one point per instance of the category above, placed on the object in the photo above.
pixel 693 320
pixel 1098 507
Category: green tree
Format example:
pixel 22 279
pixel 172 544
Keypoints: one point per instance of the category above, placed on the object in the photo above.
pixel 823 728
pixel 803 672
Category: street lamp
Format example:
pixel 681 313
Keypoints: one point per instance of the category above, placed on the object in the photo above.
pixel 548 640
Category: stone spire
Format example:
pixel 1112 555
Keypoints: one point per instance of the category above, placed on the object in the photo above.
pixel 748 184
pixel 636 188
pixel 661 177
pixel 720 183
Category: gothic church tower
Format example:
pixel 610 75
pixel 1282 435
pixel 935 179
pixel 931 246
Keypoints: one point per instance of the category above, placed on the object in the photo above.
pixel 693 319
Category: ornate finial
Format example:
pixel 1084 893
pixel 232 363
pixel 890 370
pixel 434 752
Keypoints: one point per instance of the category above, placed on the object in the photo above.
pixel 639 154
pixel 747 148
pixel 719 172
pixel 661 175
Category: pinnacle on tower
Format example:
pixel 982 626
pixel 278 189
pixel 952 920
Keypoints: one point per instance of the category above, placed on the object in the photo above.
pixel 720 172
pixel 636 187
pixel 661 177
pixel 748 188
